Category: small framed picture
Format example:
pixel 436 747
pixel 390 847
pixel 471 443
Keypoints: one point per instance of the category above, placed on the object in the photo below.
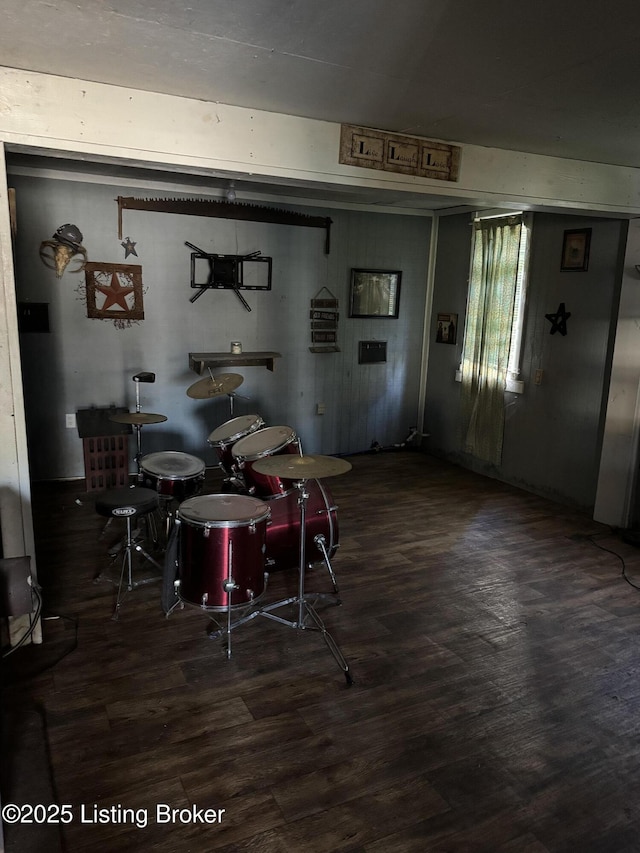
pixel 375 293
pixel 575 250
pixel 447 328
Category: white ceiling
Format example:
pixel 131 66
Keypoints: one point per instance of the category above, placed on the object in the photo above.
pixel 556 77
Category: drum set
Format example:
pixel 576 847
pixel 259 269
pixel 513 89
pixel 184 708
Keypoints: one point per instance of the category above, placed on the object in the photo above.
pixel 274 512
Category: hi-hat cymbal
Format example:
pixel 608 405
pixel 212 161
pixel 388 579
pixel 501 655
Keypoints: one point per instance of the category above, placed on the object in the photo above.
pixel 212 386
pixel 138 418
pixel 310 467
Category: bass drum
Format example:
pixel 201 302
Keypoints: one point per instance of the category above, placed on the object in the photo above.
pixel 283 531
pixel 227 434
pixel 221 536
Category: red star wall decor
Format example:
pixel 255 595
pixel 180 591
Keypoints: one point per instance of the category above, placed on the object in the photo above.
pixel 114 291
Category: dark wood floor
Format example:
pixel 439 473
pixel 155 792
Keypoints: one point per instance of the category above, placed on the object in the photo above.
pixel 496 705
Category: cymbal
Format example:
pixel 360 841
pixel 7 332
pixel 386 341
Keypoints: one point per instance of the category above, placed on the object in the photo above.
pixel 212 386
pixel 137 418
pixel 311 467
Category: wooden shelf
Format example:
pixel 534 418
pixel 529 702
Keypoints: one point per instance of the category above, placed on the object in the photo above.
pixel 201 361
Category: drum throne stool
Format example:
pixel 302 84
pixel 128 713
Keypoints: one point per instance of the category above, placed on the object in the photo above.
pixel 129 503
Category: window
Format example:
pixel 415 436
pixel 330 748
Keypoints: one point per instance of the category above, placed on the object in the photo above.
pixel 512 293
pixel 493 327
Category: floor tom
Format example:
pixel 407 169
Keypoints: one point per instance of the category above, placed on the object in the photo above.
pixel 221 536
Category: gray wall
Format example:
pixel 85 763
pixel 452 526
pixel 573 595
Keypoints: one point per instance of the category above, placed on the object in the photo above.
pixel 84 362
pixel 553 431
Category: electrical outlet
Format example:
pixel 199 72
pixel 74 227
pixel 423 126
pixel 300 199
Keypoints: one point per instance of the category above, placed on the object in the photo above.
pixel 537 378
pixel 320 409
pixel 71 421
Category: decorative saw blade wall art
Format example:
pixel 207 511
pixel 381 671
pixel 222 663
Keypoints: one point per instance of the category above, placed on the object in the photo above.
pixel 225 210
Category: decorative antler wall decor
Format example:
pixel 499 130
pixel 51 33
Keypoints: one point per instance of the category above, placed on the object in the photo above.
pixel 224 210
pixel 64 245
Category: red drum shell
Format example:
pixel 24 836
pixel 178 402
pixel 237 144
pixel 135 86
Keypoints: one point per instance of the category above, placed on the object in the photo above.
pixel 283 531
pixel 270 441
pixel 173 474
pixel 221 535
pixel 227 434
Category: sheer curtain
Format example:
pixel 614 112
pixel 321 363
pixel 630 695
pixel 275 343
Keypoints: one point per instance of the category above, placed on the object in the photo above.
pixel 488 334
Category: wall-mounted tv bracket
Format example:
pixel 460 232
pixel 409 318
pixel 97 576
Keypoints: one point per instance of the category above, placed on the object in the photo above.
pixel 227 272
pixel 225 210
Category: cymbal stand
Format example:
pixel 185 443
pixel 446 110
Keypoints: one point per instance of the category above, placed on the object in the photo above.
pixel 305 609
pixel 137 458
pixel 232 397
pixel 138 378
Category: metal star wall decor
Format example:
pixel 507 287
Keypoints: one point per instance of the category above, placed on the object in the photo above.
pixel 114 292
pixel 559 320
pixel 129 247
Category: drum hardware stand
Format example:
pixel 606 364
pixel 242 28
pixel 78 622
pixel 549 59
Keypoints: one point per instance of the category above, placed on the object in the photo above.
pixel 321 543
pixel 214 635
pixel 231 399
pixel 302 600
pixel 166 516
pixel 229 585
pixel 138 378
pixel 235 485
pixel 232 396
pixel 131 544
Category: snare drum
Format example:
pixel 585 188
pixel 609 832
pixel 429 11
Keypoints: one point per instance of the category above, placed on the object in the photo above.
pixel 221 536
pixel 173 474
pixel 225 436
pixel 283 531
pixel 270 441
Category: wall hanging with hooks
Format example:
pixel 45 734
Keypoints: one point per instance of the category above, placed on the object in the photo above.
pixel 324 318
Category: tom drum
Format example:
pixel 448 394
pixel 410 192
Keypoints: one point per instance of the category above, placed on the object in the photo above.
pixel 270 441
pixel 221 536
pixel 227 434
